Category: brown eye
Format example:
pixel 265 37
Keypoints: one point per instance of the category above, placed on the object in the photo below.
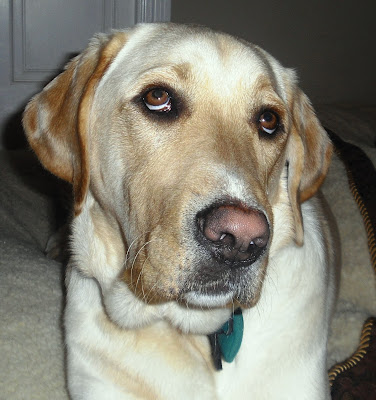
pixel 158 100
pixel 269 122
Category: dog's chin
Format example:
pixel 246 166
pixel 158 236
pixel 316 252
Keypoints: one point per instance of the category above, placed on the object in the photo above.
pixel 198 314
pixel 228 300
pixel 205 300
pixel 240 289
pixel 196 320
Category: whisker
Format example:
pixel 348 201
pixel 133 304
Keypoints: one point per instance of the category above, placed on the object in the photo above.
pixel 144 296
pixel 148 299
pixel 127 253
pixel 135 258
pixel 127 257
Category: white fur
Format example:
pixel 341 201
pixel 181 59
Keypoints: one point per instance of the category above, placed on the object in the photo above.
pixel 283 353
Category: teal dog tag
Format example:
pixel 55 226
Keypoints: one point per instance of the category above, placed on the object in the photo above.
pixel 231 336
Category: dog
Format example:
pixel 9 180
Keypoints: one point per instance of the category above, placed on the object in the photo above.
pixel 195 162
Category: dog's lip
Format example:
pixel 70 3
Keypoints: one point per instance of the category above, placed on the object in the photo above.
pixel 197 298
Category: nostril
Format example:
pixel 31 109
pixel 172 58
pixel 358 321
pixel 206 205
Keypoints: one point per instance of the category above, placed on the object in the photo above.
pixel 227 238
pixel 234 233
pixel 261 241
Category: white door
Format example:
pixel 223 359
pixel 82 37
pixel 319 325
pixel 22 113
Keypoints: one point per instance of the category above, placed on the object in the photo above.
pixel 37 37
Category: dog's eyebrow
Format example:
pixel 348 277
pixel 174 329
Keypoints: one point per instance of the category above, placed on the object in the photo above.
pixel 169 73
pixel 264 94
pixel 183 70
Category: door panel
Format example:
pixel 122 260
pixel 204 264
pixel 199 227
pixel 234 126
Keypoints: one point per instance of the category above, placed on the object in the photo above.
pixel 44 30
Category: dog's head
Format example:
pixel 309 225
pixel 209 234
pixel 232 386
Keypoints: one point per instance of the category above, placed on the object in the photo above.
pixel 189 153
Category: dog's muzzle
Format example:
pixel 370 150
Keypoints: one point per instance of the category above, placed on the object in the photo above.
pixel 234 235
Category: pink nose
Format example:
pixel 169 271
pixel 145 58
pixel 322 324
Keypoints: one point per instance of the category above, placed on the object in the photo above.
pixel 235 233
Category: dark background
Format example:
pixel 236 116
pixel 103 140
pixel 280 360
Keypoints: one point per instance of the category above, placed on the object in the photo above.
pixel 330 43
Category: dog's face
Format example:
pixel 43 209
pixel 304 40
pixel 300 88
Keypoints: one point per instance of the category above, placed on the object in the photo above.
pixel 193 149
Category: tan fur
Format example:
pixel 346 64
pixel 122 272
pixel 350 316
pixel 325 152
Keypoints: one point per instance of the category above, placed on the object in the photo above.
pixel 55 119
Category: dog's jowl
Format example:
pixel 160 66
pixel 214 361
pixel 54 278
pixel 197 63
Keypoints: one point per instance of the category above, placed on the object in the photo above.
pixel 195 162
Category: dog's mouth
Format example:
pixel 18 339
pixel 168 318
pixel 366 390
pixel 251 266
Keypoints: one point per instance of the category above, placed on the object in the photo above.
pixel 210 292
pixel 240 286
pixel 206 286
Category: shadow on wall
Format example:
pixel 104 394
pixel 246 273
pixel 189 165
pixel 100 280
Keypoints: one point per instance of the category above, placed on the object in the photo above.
pixel 13 136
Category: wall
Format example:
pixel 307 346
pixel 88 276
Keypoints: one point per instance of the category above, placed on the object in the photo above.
pixel 330 43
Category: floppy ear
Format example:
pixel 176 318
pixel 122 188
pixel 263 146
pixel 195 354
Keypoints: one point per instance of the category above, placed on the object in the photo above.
pixel 309 152
pixel 56 119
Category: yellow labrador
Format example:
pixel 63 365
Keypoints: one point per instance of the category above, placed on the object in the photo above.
pixel 195 161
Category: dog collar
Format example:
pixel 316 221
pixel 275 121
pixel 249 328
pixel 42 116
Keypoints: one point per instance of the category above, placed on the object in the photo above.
pixel 226 342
